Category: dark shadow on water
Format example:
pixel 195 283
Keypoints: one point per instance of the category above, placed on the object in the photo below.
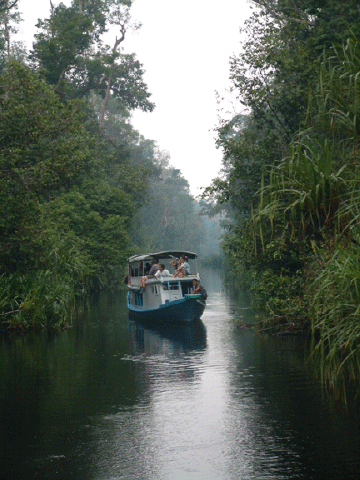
pixel 188 338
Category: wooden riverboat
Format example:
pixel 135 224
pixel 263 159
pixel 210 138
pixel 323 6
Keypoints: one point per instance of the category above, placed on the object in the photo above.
pixel 165 298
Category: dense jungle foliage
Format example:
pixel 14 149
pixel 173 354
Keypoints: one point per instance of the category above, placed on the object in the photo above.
pixel 80 189
pixel 290 178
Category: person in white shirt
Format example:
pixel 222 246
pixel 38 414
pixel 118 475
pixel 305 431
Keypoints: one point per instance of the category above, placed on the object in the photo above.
pixel 162 272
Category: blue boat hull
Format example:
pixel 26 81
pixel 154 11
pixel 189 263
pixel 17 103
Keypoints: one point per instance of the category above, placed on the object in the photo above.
pixel 183 310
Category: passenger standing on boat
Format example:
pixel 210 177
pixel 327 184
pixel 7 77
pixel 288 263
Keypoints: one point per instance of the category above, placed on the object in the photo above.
pixel 175 262
pixel 184 268
pixel 162 272
pixel 154 268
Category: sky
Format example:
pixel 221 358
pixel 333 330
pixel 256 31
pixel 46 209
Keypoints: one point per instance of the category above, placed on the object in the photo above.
pixel 185 49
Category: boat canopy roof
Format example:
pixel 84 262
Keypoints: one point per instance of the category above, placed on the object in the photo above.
pixel 161 255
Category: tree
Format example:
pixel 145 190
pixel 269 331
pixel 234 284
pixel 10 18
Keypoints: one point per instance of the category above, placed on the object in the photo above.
pixel 63 38
pixel 275 77
pixel 43 149
pixel 169 219
pixel 9 18
pixel 72 57
pixel 314 192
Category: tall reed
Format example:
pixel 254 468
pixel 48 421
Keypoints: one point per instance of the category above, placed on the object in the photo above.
pixel 313 197
pixel 45 298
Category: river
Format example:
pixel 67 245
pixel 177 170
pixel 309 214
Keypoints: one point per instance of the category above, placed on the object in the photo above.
pixel 111 399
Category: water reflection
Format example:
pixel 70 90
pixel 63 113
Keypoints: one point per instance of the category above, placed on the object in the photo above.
pixel 168 367
pixel 175 340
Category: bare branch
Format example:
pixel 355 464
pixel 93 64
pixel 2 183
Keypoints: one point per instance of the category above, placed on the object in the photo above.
pixel 9 313
pixel 61 76
pixel 121 39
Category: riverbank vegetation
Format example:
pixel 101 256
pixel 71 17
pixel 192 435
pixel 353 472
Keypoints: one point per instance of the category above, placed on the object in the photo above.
pixel 290 177
pixel 80 188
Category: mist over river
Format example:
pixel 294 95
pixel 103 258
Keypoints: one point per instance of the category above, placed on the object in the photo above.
pixel 112 399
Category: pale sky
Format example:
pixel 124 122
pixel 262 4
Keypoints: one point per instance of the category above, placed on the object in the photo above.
pixel 185 48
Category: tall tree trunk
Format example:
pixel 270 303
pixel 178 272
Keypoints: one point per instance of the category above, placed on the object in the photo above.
pixel 7 38
pixel 108 87
pixel 82 3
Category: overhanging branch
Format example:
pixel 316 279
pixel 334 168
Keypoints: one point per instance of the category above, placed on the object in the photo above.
pixel 5 5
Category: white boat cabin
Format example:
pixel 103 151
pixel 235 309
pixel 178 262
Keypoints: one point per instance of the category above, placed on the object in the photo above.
pixel 162 290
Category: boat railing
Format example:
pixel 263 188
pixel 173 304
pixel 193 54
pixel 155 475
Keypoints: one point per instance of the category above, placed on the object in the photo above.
pixel 135 281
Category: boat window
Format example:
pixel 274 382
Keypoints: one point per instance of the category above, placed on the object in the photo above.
pixel 138 299
pixel 136 271
pixel 173 285
pixel 186 287
pixel 155 289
